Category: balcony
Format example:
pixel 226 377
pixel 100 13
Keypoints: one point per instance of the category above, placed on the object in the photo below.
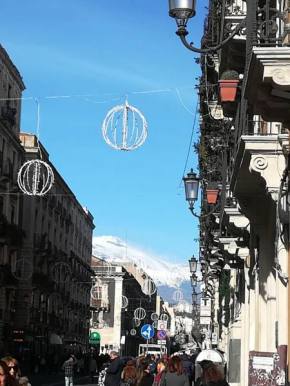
pixel 257 168
pixel 267 82
pixel 233 54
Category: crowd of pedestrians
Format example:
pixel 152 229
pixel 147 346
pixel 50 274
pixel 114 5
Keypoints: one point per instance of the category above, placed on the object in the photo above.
pixel 159 371
pixel 111 370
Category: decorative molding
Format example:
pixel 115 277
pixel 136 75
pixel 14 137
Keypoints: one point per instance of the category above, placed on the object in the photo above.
pixel 258 163
pixel 269 71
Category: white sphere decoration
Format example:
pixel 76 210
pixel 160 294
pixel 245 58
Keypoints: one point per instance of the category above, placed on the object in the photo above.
pixel 97 292
pixel 60 273
pixel 164 317
pixel 140 313
pixel 22 269
pixel 136 322
pixel 177 295
pixel 154 316
pixel 148 287
pixel 125 301
pixel 133 332
pixel 124 128
pixel 35 178
pixel 177 276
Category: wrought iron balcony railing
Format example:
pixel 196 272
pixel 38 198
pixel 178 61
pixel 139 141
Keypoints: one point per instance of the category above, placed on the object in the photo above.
pixel 272 26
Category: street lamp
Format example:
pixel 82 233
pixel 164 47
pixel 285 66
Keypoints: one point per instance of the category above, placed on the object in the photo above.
pixel 191 185
pixel 194 297
pixel 181 11
pixel 193 264
pixel 193 280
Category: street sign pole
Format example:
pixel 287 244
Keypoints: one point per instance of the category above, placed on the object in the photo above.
pixel 147 348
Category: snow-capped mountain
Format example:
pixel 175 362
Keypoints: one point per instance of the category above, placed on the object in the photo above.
pixel 113 249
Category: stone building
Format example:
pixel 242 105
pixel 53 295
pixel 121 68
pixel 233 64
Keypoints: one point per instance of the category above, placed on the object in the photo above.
pixel 244 154
pixel 54 279
pixel 118 294
pixel 11 158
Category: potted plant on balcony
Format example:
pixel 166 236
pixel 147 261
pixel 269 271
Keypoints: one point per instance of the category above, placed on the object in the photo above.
pixel 212 192
pixel 228 85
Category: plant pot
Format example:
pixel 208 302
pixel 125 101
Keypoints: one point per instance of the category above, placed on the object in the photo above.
pixel 228 90
pixel 212 195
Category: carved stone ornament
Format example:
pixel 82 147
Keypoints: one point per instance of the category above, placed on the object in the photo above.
pixel 258 163
pixel 268 82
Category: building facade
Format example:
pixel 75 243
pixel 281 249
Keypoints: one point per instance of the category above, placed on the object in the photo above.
pixel 46 244
pixel 243 153
pixel 11 158
pixel 54 293
pixel 118 295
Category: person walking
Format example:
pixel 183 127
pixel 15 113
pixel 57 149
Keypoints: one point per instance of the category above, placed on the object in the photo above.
pixel 143 375
pixel 174 374
pixel 128 373
pixel 114 371
pixel 13 366
pixel 188 367
pixel 211 375
pixel 92 368
pixel 69 367
pixel 102 374
pixel 6 379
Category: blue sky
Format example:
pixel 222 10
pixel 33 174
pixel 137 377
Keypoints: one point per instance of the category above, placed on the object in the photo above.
pixel 101 47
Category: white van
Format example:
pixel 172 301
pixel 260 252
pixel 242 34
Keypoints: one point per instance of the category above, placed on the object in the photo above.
pixel 152 349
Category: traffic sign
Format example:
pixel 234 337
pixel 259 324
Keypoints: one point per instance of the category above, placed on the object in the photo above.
pixel 161 335
pixel 162 325
pixel 147 331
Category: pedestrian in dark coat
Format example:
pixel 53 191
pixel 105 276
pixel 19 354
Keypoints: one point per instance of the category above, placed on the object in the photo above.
pixel 211 375
pixel 188 367
pixel 114 371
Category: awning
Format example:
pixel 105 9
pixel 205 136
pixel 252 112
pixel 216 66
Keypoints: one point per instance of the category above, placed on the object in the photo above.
pixel 55 338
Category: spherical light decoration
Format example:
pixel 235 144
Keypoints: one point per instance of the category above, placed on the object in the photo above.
pixel 177 295
pixel 177 276
pixel 97 292
pixel 133 332
pixel 154 316
pixel 140 313
pixel 125 301
pixel 103 268
pixel 22 269
pixel 35 178
pixel 164 317
pixel 155 324
pixel 55 299
pixel 148 287
pixel 136 322
pixel 124 128
pixel 60 273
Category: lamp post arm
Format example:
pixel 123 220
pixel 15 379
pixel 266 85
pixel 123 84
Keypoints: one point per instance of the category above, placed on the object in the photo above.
pixel 191 208
pixel 182 33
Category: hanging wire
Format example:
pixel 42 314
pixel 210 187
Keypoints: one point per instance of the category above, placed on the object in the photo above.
pixel 190 142
pixel 38 127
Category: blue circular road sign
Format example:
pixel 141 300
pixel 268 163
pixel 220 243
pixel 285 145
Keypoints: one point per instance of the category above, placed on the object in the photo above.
pixel 147 331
